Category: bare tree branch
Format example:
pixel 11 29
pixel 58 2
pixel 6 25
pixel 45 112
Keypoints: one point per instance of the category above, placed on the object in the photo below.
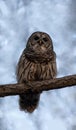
pixel 37 86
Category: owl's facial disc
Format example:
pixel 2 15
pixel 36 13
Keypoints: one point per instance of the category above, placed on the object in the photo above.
pixel 40 42
pixel 39 46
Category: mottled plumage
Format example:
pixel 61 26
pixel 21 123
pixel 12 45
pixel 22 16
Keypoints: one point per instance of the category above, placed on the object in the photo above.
pixel 37 62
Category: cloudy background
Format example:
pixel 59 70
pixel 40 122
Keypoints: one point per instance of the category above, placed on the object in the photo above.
pixel 18 19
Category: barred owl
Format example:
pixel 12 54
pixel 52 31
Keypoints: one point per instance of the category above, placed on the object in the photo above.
pixel 37 63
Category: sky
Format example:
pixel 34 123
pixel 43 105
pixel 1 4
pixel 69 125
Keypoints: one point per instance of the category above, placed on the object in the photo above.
pixel 18 20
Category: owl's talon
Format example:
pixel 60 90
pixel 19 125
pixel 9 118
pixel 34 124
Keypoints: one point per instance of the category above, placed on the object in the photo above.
pixel 29 86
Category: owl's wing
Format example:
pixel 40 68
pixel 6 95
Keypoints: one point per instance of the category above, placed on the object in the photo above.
pixel 20 65
pixel 54 66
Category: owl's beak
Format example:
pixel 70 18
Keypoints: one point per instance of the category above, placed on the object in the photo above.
pixel 40 42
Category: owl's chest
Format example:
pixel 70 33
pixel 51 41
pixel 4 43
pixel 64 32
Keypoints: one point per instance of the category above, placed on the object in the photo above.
pixel 37 71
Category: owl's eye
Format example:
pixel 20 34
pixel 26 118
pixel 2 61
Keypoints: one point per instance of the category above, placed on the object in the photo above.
pixel 36 37
pixel 45 39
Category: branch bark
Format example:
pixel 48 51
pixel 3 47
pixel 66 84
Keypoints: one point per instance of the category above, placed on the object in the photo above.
pixel 37 86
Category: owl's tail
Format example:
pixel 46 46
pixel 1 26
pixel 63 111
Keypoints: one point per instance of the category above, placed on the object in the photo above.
pixel 29 102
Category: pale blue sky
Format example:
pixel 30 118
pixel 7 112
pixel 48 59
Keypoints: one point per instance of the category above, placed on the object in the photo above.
pixel 18 19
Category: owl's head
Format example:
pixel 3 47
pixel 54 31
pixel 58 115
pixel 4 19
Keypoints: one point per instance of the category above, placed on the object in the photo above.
pixel 39 42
